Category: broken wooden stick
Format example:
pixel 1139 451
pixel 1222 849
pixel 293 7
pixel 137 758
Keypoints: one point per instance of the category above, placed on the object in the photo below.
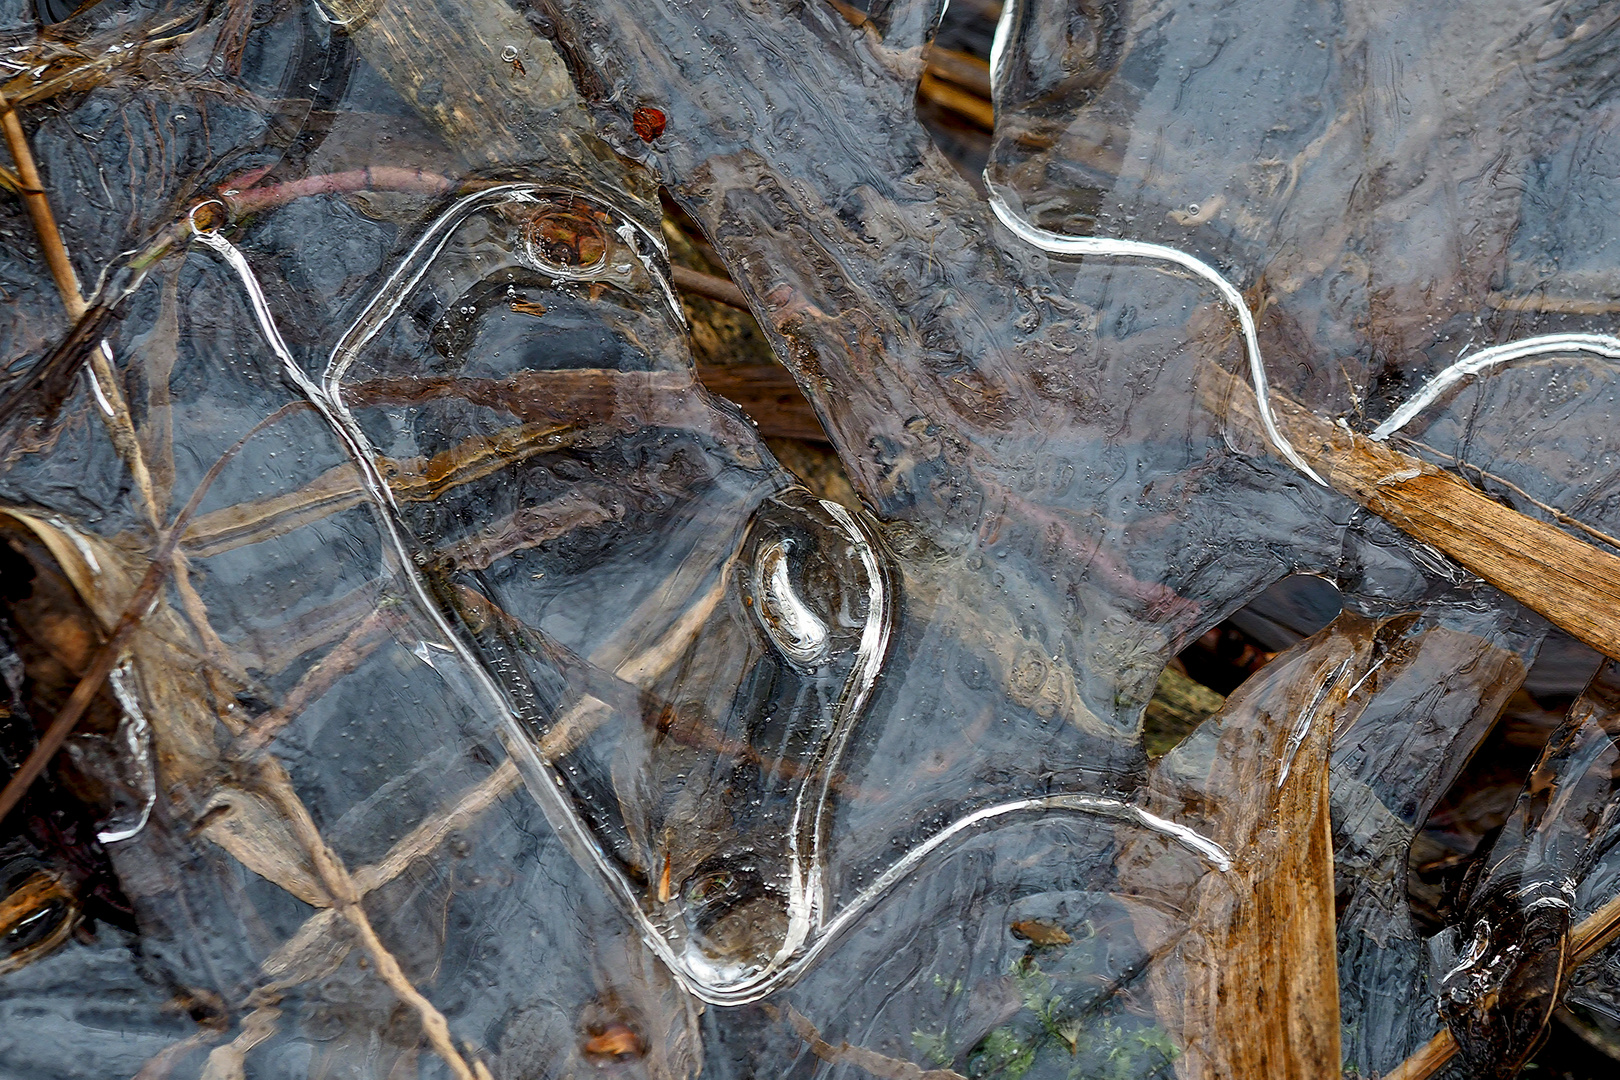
pixel 32 190
pixel 1567 581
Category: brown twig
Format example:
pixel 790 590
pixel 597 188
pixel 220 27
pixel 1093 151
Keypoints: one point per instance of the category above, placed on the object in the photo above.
pixel 429 834
pixel 1427 1059
pixel 1595 932
pixel 879 1065
pixel 160 1064
pixel 39 210
pixel 952 98
pixel 718 289
pixel 115 410
pixel 371 178
pixel 348 889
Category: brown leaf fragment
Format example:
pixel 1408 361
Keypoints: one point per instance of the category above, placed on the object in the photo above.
pixel 1040 933
pixel 1249 984
pixel 614 1042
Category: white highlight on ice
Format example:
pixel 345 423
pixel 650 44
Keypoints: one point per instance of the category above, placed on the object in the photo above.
pixel 1596 344
pixel 1062 244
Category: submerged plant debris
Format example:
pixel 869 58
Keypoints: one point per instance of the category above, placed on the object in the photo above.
pixel 547 538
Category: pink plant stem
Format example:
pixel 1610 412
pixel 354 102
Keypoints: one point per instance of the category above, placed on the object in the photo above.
pixel 371 178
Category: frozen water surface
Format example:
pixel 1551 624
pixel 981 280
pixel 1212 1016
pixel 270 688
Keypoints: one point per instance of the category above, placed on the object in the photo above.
pixel 504 708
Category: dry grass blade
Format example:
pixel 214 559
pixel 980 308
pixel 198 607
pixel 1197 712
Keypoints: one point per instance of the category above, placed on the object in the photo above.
pixel 1250 983
pixel 54 66
pixel 1566 581
pixel 346 898
pixel 39 211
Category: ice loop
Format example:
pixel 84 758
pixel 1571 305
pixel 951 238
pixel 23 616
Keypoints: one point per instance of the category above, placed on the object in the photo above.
pixel 782 664
pixel 799 606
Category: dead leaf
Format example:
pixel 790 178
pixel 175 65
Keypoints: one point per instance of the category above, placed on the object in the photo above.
pixel 1040 933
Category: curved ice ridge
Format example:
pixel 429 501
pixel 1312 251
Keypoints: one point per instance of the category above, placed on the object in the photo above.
pixel 415 264
pixel 810 935
pixel 1596 344
pixel 1063 244
pixel 545 786
pixel 1200 845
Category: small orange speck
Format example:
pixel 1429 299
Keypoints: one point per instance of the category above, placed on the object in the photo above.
pixel 615 1042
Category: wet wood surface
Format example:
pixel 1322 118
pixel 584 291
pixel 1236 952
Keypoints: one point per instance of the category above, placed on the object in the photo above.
pixel 1257 954
pixel 1569 582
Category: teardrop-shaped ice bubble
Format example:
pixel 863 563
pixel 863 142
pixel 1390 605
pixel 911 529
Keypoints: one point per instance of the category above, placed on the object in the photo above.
pixel 785 615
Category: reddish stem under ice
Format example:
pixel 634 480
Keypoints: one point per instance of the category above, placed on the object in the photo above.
pixel 371 178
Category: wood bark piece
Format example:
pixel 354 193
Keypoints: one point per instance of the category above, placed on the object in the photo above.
pixel 1249 983
pixel 769 396
pixel 1570 583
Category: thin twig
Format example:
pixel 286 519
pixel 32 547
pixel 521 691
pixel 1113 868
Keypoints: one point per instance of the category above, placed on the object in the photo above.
pixel 115 410
pixel 160 1064
pixel 346 899
pixel 39 209
pixel 1427 1059
pixel 359 644
pixel 371 178
pixel 709 286
pixel 348 889
pixel 964 103
pixel 429 834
